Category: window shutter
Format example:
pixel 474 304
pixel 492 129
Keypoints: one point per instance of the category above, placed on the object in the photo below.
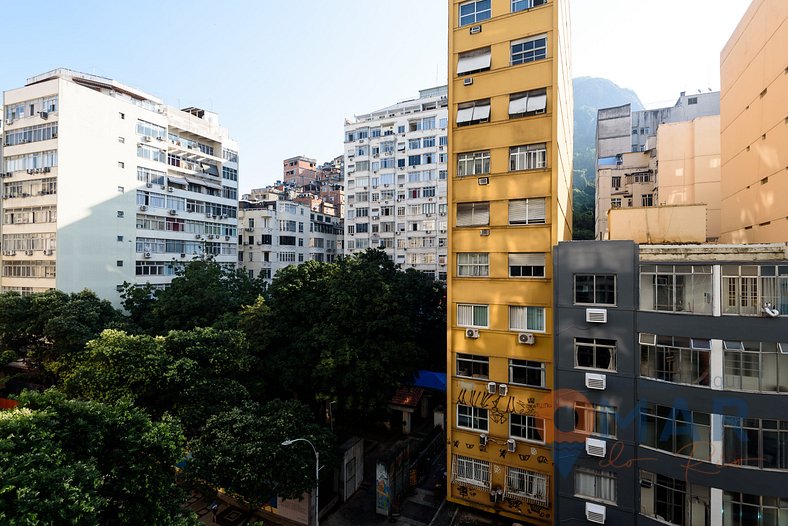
pixel 481 113
pixel 536 210
pixel 527 260
pixel 470 214
pixel 464 315
pixel 464 115
pixel 518 211
pixel 473 61
pixel 536 103
pixel 517 105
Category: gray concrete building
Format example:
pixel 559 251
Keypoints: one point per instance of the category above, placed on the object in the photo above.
pixel 671 372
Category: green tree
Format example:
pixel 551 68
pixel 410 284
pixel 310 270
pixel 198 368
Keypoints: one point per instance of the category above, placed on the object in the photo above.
pixel 72 462
pixel 240 451
pixel 349 332
pixel 190 374
pixel 50 329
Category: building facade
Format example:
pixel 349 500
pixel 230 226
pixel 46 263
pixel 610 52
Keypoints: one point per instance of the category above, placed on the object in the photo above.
pixel 104 184
pixel 510 165
pixel 630 146
pixel 395 182
pixel 672 363
pixel 299 170
pixel 276 231
pixel 754 109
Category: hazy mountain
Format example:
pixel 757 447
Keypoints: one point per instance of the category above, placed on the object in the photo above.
pixel 591 94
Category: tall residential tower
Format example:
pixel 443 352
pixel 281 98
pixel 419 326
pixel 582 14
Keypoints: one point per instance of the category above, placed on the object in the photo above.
pixel 510 166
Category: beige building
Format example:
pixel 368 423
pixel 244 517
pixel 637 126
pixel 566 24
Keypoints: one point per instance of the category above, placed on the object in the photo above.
pixel 754 124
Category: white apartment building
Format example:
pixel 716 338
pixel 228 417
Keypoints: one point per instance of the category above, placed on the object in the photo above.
pixel 105 184
pixel 275 232
pixel 395 182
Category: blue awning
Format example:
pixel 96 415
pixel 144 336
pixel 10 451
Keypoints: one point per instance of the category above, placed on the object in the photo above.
pixel 430 380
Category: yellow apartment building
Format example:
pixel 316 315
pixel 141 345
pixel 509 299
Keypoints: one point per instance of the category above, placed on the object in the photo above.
pixel 510 166
pixel 754 126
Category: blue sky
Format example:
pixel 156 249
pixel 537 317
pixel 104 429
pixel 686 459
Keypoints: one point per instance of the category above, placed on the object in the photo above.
pixel 283 76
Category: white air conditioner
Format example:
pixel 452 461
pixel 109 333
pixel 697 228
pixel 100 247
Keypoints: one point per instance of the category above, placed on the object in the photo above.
pixel 170 189
pixel 164 187
pixel 482 440
pixel 183 255
pixel 472 333
pixel 484 232
pixel 511 445
pixel 468 81
pixel 595 513
pixel 143 208
pixel 9 122
pixel 149 185
pixel 526 338
pixel 147 138
pixel 596 447
pixel 159 138
pixel 173 212
pixel 596 315
pixel 483 180
pixel 48 252
pixel 492 387
pixel 197 236
pixel 596 381
pixel 503 389
pixel 28 252
pixel 146 255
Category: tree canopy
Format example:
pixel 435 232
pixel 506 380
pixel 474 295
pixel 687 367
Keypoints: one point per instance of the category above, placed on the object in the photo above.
pixel 75 462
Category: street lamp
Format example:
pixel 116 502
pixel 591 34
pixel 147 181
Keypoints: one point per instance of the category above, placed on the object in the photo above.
pixel 317 472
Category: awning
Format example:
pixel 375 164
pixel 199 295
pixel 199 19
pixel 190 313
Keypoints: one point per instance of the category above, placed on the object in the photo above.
pixel 475 60
pixel 177 180
pixel 192 180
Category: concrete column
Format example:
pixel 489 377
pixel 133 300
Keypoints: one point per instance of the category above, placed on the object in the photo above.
pixel 716 365
pixel 716 290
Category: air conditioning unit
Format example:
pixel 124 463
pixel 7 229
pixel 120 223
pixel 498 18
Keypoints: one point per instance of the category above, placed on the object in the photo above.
pixel 46 169
pixel 503 389
pixel 197 236
pixel 183 255
pixel 482 439
pixel 44 115
pixel 484 232
pixel 468 81
pixel 595 513
pixel 173 212
pixel 146 255
pixel 596 315
pixel 170 188
pixel 9 252
pixel 596 381
pixel 48 252
pixel 526 338
pixel 28 252
pixel 596 447
pixel 483 181
pixel 492 387
pixel 31 171
pixel 147 138
pixel 249 229
pixel 143 208
pixel 472 333
pixel 475 29
pixel 227 238
pixel 164 187
pixel 511 445
pixel 9 122
pixel 149 185
pixel 224 216
pixel 210 236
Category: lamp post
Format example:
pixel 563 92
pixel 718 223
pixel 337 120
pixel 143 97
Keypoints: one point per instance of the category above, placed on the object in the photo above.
pixel 317 472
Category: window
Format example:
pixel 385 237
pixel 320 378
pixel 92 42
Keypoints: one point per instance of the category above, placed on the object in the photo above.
pixel 527 211
pixel 529 49
pixel 474 61
pixel 121 164
pixel 527 103
pixel 522 5
pixel 471 472
pixel 595 289
pixel 615 202
pixel 526 428
pixel 615 182
pixel 473 214
pixel 529 486
pixel 473 366
pixel 673 501
pixel 595 419
pixel 679 431
pixel 692 100
pixel 530 157
pixel 755 442
pixel 475 163
pixel 595 484
pixel 470 417
pixel 414 160
pixel 473 112
pixel 647 200
pixel 120 213
pixel 747 288
pixel 755 366
pixel 676 288
pixel 526 265
pixel 473 264
pixel 530 319
pixel 675 359
pixel 526 372
pixel 266 239
pixel 119 263
pixel 473 12
pixel 472 315
pixel 595 353
pixel 741 509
